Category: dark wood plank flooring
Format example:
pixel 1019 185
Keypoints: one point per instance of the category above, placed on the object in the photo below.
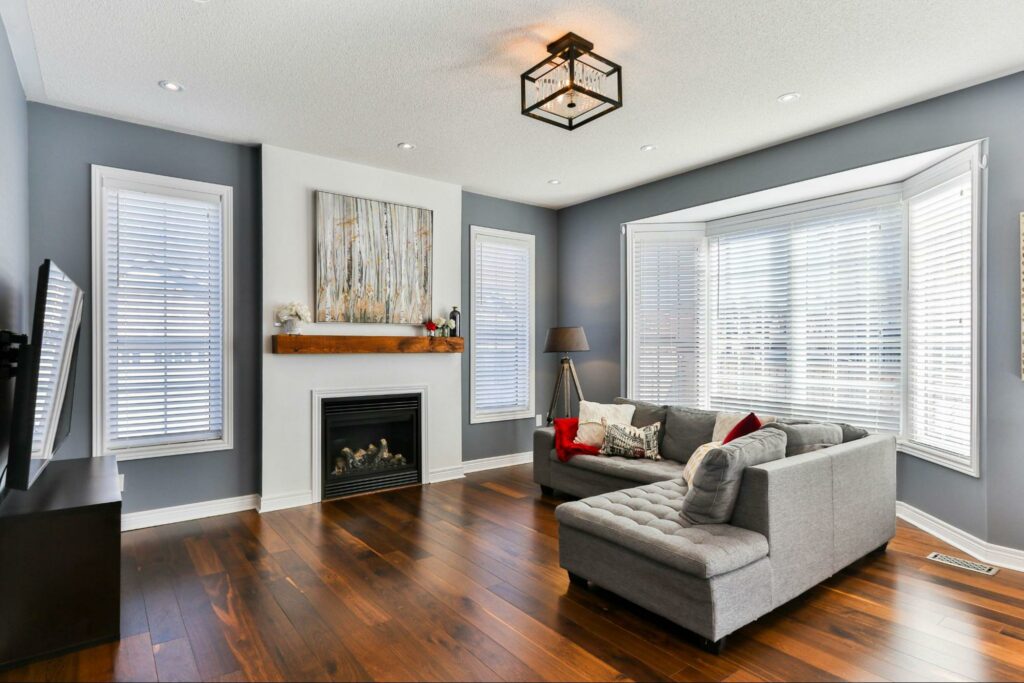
pixel 460 581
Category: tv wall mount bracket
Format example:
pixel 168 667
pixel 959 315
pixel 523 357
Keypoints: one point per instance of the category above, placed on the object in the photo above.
pixel 12 352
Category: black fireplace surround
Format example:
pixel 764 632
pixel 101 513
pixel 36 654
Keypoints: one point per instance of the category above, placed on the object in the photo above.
pixel 370 443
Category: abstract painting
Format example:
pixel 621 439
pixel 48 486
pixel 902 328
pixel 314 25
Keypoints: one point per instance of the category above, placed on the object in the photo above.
pixel 373 260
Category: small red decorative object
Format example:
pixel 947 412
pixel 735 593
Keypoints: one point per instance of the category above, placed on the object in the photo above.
pixel 430 326
pixel 565 435
pixel 747 425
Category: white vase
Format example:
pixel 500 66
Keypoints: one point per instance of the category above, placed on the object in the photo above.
pixel 293 326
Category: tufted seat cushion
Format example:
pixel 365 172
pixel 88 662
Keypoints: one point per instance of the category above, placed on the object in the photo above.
pixel 640 470
pixel 646 520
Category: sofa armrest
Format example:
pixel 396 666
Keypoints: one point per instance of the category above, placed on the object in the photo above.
pixel 543 444
pixel 820 511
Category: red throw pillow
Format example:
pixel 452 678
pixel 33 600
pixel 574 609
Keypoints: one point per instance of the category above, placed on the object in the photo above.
pixel 565 435
pixel 745 426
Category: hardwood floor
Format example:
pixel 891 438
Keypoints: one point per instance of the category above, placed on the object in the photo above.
pixel 460 581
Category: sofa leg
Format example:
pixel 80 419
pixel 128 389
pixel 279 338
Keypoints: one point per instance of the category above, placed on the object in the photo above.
pixel 577 580
pixel 882 548
pixel 547 491
pixel 714 647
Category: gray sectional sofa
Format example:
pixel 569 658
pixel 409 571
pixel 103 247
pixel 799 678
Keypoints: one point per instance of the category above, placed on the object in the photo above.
pixel 796 521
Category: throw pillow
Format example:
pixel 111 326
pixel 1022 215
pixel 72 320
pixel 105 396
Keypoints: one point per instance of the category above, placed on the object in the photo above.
pixel 808 437
pixel 632 442
pixel 685 429
pixel 724 422
pixel 593 417
pixel 712 496
pixel 745 426
pixel 565 435
pixel 694 462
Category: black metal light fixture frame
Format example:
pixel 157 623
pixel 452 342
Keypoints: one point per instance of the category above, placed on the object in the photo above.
pixel 569 49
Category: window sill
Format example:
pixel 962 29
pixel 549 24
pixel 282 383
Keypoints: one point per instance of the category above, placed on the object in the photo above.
pixel 184 448
pixel 939 457
pixel 501 417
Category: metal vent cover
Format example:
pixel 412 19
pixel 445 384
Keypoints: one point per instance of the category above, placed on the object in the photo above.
pixel 963 564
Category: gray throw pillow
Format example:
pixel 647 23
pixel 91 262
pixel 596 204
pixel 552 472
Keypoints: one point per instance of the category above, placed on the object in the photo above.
pixel 685 430
pixel 807 437
pixel 712 496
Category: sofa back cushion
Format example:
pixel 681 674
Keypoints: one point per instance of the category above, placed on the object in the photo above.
pixel 685 430
pixel 850 432
pixel 646 414
pixel 712 495
pixel 805 438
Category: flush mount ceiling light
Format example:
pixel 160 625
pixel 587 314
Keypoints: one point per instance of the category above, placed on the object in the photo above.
pixel 171 85
pixel 648 148
pixel 554 181
pixel 789 97
pixel 405 145
pixel 573 86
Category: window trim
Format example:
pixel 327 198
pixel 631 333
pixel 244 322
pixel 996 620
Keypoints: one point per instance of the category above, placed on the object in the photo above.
pixel 475 416
pixel 973 159
pixel 103 177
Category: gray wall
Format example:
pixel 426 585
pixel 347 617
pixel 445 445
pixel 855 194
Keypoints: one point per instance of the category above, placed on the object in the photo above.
pixel 511 436
pixel 62 145
pixel 590 253
pixel 14 268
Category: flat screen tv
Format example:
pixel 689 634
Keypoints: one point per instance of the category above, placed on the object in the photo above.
pixel 45 387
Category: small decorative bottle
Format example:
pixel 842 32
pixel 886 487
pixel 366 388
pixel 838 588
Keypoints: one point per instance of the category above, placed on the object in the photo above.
pixel 455 315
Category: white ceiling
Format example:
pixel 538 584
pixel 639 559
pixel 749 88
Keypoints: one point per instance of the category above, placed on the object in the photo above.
pixel 351 78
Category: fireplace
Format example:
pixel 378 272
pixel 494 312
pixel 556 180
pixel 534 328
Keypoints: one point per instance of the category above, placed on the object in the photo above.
pixel 369 443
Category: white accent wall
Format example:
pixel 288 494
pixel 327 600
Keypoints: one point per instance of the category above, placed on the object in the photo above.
pixel 289 180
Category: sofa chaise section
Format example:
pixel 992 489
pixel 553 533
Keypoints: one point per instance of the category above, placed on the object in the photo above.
pixel 797 521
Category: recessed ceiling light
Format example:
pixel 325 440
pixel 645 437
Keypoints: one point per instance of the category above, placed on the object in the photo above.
pixel 405 145
pixel 554 181
pixel 789 97
pixel 648 148
pixel 172 86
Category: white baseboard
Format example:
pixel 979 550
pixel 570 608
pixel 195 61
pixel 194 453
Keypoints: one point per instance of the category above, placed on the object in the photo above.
pixel 184 513
pixel 986 552
pixel 497 461
pixel 445 474
pixel 283 501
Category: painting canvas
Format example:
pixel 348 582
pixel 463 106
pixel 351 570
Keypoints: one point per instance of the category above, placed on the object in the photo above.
pixel 373 260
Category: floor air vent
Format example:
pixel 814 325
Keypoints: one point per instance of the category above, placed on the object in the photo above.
pixel 963 564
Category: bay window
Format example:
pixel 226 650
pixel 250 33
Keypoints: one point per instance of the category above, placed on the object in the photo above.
pixel 860 308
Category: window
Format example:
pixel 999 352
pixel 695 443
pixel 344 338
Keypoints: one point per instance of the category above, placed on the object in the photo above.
pixel 805 312
pixel 859 308
pixel 501 325
pixel 941 318
pixel 162 315
pixel 663 265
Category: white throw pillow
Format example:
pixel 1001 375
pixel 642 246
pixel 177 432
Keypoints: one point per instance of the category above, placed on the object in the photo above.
pixel 724 422
pixel 591 431
pixel 695 460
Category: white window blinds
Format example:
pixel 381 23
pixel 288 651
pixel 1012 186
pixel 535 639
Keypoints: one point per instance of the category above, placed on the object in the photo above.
pixel 939 320
pixel 163 318
pixel 806 314
pixel 665 274
pixel 502 325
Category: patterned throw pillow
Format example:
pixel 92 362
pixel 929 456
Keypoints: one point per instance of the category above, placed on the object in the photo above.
pixel 631 442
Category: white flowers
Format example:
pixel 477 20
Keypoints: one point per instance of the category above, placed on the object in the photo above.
pixel 440 322
pixel 293 311
pixel 450 324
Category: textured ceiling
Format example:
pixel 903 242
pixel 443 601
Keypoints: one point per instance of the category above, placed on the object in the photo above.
pixel 351 78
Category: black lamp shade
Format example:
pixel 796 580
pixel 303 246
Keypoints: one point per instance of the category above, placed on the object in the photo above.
pixel 565 339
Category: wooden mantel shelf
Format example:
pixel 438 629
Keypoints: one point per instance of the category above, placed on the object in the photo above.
pixel 320 343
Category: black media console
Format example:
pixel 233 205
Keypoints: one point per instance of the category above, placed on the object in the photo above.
pixel 60 561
